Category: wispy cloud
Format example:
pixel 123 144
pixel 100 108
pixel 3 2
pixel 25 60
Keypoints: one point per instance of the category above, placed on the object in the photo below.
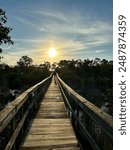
pixel 28 40
pixel 58 16
pixel 25 21
pixel 99 51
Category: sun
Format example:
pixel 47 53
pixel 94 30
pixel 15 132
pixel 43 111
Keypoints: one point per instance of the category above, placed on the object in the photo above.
pixel 52 52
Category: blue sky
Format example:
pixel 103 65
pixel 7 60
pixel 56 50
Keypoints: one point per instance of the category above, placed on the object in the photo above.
pixel 77 29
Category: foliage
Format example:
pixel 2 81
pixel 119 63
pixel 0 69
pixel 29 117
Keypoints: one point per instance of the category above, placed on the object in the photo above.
pixel 20 77
pixel 4 31
pixel 25 61
pixel 93 79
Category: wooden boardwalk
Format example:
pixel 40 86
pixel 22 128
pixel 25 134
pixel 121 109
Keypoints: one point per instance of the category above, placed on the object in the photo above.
pixel 51 129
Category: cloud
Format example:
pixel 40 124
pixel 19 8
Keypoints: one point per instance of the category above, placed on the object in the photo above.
pixel 25 21
pixel 28 40
pixel 99 51
pixel 52 15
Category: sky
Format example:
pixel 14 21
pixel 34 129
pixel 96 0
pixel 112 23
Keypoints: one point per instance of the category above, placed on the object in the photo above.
pixel 77 29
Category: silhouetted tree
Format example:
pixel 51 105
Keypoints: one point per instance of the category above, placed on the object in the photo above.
pixel 54 65
pixel 25 61
pixel 97 61
pixel 104 62
pixel 4 31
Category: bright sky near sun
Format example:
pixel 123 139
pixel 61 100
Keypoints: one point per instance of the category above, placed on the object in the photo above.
pixel 75 29
pixel 52 52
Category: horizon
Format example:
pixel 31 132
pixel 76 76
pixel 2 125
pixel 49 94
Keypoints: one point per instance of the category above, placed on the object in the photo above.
pixel 51 63
pixel 75 29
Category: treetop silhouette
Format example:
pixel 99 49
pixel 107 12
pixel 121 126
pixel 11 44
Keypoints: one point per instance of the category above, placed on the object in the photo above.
pixel 5 38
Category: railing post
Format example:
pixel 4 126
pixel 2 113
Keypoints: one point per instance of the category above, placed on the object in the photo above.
pixel 22 130
pixel 13 129
pixel 70 113
pixel 55 79
pixel 77 115
pixel 75 121
pixel 106 142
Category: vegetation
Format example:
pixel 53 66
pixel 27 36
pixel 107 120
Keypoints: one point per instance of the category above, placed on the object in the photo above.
pixel 20 77
pixel 93 79
pixel 4 31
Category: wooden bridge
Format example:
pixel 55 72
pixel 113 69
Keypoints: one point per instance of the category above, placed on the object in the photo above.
pixel 51 116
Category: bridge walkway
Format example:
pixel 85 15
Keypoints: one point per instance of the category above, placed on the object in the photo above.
pixel 51 129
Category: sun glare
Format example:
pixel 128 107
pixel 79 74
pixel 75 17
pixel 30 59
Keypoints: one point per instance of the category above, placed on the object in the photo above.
pixel 52 52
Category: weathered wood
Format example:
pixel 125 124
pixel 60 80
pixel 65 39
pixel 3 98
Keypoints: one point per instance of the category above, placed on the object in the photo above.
pixel 50 144
pixel 68 148
pixel 83 111
pixel 16 132
pixel 51 115
pixel 51 128
pixel 100 117
pixel 7 114
pixel 50 121
pixel 58 148
pixel 15 113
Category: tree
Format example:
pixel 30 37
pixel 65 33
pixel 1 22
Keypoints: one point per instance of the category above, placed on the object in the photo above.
pixel 4 31
pixel 46 65
pixel 25 61
pixel 97 61
pixel 104 62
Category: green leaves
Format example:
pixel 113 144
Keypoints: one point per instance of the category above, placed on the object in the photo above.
pixel 4 31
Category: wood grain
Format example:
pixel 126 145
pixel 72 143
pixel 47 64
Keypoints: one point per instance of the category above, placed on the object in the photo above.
pixel 51 129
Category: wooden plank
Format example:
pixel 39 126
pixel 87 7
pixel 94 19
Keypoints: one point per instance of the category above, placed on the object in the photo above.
pixel 54 108
pixel 50 143
pixel 68 148
pixel 52 111
pixel 46 125
pixel 51 129
pixel 50 104
pixel 51 115
pixel 52 99
pixel 51 121
pixel 50 148
pixel 49 137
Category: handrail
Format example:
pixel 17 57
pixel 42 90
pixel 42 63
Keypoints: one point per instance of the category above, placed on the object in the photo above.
pixel 103 119
pixel 9 111
pixel 22 103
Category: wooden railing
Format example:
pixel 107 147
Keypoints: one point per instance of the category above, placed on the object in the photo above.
pixel 14 118
pixel 93 126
